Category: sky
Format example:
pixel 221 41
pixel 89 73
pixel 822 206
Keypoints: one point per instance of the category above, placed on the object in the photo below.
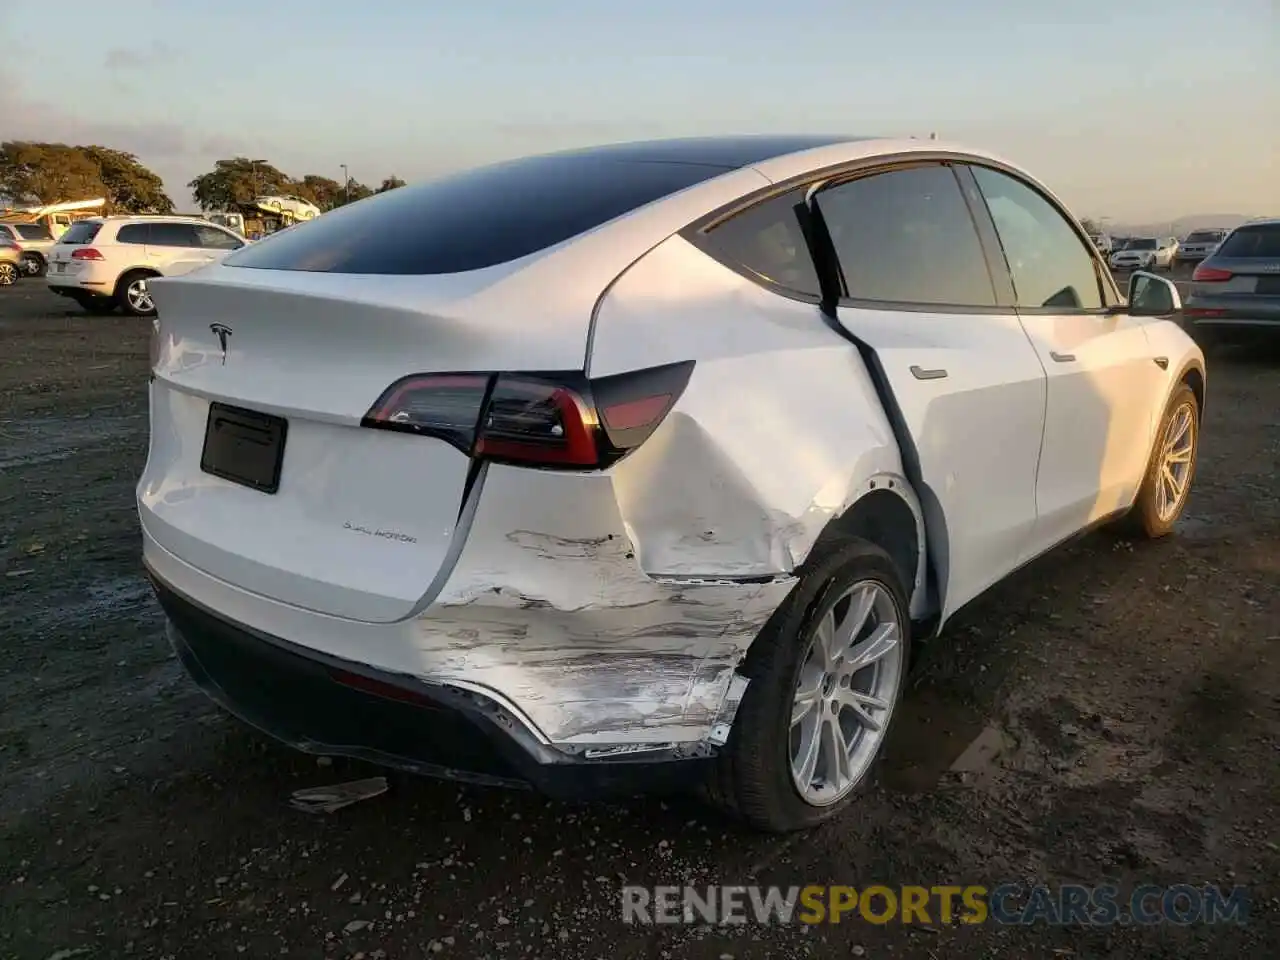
pixel 1137 111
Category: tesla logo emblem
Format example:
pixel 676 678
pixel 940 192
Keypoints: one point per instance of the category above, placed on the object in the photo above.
pixel 222 332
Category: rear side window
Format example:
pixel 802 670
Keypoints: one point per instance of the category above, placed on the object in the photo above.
pixel 133 233
pixel 906 236
pixel 766 241
pixel 475 219
pixel 32 231
pixel 172 235
pixel 1260 241
pixel 82 231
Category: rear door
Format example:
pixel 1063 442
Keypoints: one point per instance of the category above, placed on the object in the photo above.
pixel 174 249
pixel 966 384
pixel 1103 378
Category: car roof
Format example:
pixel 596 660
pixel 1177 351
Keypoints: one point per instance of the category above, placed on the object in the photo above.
pixel 729 152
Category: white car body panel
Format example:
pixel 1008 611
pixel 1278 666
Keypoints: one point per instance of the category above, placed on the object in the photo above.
pixel 607 607
pixel 1098 421
pixel 749 518
pixel 979 486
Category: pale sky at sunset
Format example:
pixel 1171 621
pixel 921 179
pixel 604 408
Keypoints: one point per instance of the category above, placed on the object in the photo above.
pixel 1137 110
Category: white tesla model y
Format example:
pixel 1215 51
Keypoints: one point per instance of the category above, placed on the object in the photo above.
pixel 643 465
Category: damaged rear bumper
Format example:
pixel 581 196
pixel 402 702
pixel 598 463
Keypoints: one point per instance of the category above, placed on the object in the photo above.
pixel 322 704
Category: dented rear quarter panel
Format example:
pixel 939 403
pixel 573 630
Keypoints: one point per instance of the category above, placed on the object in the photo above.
pixel 779 432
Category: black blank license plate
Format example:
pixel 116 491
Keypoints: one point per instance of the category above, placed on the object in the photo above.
pixel 244 446
pixel 1267 286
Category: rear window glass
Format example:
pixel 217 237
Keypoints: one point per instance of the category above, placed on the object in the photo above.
pixel 82 231
pixel 1142 244
pixel 1259 241
pixel 32 231
pixel 475 219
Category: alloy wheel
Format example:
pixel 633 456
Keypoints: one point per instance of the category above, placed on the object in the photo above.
pixel 845 692
pixel 1177 456
pixel 139 296
pixel 8 274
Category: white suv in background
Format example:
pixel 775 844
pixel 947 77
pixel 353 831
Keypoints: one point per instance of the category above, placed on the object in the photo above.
pixel 106 262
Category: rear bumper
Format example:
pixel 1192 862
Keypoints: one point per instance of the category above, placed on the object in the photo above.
pixel 1242 313
pixel 322 704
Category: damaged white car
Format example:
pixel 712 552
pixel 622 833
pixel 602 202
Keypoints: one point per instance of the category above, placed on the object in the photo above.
pixel 643 465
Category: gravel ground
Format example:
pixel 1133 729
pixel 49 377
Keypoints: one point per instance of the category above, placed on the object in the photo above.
pixel 1133 689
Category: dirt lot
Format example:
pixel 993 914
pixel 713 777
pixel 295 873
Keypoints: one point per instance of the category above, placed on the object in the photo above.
pixel 1135 687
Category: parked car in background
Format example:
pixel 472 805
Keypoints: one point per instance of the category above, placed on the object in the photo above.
pixel 1146 253
pixel 108 262
pixel 1235 291
pixel 36 242
pixel 1199 244
pixel 11 267
pixel 382 525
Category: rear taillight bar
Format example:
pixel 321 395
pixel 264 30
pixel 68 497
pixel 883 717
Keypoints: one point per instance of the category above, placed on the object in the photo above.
pixel 549 420
pixel 1203 274
pixel 86 253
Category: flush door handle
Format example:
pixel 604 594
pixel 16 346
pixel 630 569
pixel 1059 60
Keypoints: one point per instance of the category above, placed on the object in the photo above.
pixel 920 373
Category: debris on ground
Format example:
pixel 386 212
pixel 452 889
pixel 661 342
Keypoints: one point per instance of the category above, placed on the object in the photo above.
pixel 338 795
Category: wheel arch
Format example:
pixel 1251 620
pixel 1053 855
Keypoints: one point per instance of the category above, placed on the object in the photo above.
pixel 886 513
pixel 136 269
pixel 1192 374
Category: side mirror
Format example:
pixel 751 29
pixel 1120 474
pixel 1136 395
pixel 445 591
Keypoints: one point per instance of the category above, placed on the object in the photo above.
pixel 1152 296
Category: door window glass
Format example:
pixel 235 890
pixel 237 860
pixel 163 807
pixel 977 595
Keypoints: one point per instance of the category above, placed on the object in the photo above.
pixel 1049 262
pixel 211 238
pixel 907 236
pixel 173 235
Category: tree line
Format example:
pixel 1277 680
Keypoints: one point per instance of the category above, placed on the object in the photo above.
pixel 41 173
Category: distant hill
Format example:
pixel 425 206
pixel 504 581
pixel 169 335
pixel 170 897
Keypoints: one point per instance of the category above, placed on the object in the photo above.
pixel 1182 226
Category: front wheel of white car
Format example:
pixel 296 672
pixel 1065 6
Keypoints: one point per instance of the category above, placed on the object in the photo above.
pixel 8 274
pixel 826 675
pixel 1171 469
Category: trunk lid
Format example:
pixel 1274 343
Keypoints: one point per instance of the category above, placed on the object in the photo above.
pixel 363 520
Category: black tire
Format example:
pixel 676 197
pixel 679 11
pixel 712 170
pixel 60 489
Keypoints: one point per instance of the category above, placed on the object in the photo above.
pixel 752 779
pixel 1144 519
pixel 122 296
pixel 33 265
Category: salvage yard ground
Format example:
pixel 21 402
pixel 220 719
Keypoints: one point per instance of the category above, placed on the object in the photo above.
pixel 1132 690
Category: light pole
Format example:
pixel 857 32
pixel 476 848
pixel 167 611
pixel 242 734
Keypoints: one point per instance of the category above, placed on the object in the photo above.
pixel 346 184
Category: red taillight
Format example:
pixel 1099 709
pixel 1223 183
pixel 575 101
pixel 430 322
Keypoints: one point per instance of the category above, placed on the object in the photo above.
pixel 86 253
pixel 538 422
pixel 553 421
pixel 1205 274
